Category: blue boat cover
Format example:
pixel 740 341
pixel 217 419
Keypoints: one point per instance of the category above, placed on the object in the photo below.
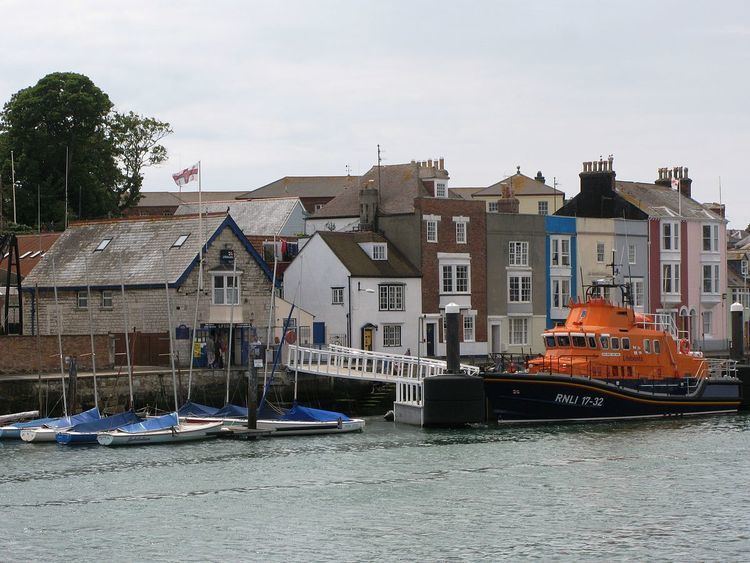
pixel 68 421
pixel 194 409
pixel 157 423
pixel 303 414
pixel 107 423
pixel 231 411
pixel 32 423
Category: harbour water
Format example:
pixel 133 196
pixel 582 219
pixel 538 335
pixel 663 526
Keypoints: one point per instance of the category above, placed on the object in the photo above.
pixel 658 490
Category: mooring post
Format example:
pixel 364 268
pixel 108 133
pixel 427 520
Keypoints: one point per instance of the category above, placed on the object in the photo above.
pixel 252 389
pixel 452 346
pixel 73 384
pixel 737 347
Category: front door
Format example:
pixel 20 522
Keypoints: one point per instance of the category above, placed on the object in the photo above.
pixel 367 339
pixel 430 336
pixel 496 339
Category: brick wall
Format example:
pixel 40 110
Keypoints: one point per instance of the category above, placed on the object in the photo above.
pixel 22 354
pixel 476 247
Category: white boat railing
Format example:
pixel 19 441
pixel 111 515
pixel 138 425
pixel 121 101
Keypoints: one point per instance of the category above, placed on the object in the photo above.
pixel 717 368
pixel 665 322
pixel 406 372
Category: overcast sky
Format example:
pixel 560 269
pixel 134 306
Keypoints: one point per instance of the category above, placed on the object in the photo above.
pixel 261 90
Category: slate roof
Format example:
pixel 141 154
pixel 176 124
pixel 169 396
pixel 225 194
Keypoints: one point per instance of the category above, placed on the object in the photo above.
pixel 135 249
pixel 346 248
pixel 521 185
pixel 662 201
pixel 254 216
pixel 400 185
pixel 31 248
pixel 167 199
pixel 464 193
pixel 302 186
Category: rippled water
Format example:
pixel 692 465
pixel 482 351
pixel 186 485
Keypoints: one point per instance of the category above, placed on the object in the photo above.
pixel 662 490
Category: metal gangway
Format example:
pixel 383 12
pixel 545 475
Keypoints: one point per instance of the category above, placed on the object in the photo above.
pixel 406 372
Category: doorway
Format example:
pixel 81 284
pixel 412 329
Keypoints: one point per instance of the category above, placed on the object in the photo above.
pixel 430 338
pixel 496 333
pixel 367 337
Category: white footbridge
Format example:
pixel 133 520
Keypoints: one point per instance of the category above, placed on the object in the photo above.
pixel 406 372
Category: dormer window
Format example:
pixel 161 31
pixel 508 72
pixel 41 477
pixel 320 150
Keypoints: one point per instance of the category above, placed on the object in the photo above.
pixel 180 241
pixel 440 190
pixel 102 245
pixel 380 251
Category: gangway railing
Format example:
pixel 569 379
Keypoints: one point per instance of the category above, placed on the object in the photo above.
pixel 406 372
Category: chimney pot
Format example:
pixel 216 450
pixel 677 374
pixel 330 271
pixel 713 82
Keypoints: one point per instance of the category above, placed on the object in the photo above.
pixel 429 163
pixel 442 163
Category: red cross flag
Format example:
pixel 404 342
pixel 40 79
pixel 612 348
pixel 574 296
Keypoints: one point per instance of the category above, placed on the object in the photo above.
pixel 187 175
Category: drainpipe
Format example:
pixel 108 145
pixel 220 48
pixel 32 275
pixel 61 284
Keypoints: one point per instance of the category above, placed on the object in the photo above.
pixel 349 315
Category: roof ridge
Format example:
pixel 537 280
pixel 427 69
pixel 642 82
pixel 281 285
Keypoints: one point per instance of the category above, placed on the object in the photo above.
pixel 146 219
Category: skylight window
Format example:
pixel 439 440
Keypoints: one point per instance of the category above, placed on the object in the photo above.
pixel 180 241
pixel 103 245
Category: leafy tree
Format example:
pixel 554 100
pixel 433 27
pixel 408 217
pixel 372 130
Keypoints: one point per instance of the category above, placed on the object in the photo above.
pixel 64 110
pixel 64 113
pixel 136 140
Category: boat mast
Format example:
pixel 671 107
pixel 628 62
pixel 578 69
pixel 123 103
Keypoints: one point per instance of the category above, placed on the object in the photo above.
pixel 200 282
pixel 127 338
pixel 91 329
pixel 169 321
pixel 235 295
pixel 59 339
pixel 271 312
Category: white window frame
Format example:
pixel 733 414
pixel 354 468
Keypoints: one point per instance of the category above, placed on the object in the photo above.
pixel 518 253
pixel 707 322
pixel 493 206
pixel 440 190
pixel 227 293
pixel 107 296
pixel 601 252
pixel 672 237
pixel 469 325
pixel 460 232
pixel 632 253
pixel 523 288
pixel 82 299
pixel 432 232
pixel 673 277
pixel 559 256
pixel 391 297
pixel 542 208
pixel 449 280
pixel 557 287
pixel 712 239
pixel 391 335
pixel 337 296
pixel 518 337
pixel 639 296
pixel 712 288
pixel 380 251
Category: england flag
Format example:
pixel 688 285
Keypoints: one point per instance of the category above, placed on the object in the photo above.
pixel 187 175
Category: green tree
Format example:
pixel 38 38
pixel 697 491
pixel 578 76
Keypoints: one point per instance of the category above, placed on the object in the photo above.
pixel 63 113
pixel 136 141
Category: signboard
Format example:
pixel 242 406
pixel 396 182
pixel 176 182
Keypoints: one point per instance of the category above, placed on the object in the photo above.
pixel 226 255
pixel 258 363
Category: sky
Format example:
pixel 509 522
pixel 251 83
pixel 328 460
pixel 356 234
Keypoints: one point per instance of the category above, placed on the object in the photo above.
pixel 261 90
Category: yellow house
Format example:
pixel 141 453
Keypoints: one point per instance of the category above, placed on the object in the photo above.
pixel 534 196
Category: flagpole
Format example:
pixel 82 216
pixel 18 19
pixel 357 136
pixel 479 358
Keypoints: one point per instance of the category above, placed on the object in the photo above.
pixel 199 287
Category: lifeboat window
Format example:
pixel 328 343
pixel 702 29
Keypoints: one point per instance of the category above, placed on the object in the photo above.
pixel 592 341
pixel 647 346
pixel 626 343
pixel 657 347
pixel 563 341
pixel 549 341
pixel 579 341
pixel 615 343
pixel 605 342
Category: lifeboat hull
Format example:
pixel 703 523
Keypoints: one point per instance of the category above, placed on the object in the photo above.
pixel 551 397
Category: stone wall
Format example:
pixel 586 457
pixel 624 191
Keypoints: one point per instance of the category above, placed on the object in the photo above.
pixel 23 354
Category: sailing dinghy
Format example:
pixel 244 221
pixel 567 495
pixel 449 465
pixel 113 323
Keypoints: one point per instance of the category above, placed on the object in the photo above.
pixel 159 430
pixel 13 431
pixel 46 432
pixel 86 432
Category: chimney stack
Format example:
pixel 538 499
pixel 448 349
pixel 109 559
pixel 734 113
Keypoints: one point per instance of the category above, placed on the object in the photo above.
pixel 368 207
pixel 539 177
pixel 679 173
pixel 441 162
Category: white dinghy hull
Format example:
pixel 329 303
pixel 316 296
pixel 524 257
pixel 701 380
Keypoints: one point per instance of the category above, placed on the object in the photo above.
pixel 38 435
pixel 180 433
